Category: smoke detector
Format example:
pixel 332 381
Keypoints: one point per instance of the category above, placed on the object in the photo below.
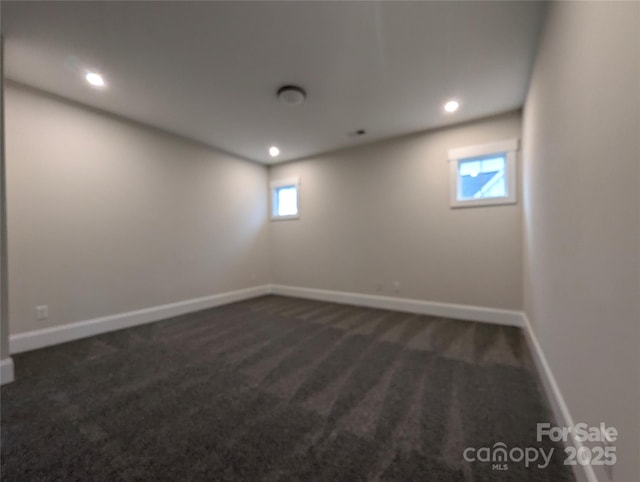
pixel 291 95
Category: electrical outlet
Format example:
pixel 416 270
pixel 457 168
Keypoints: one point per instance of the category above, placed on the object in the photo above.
pixel 396 287
pixel 42 312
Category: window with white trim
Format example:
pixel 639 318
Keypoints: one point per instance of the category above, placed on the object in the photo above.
pixel 285 199
pixel 483 175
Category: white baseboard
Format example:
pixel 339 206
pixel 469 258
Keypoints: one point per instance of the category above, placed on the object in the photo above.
pixel 55 335
pixel 33 340
pixel 433 308
pixel 6 371
pixel 583 473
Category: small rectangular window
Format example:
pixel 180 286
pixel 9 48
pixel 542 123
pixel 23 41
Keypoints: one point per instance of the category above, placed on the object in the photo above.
pixel 285 199
pixel 483 175
pixel 482 178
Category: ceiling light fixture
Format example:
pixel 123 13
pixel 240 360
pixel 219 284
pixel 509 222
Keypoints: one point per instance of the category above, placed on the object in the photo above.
pixel 291 95
pixel 274 151
pixel 95 79
pixel 452 106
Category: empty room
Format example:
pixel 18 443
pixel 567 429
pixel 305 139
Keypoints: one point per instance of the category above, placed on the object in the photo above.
pixel 320 241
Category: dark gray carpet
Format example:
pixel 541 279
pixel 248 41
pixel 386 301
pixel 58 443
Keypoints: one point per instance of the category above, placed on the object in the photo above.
pixel 276 388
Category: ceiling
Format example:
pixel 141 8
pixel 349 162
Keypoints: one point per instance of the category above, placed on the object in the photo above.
pixel 210 70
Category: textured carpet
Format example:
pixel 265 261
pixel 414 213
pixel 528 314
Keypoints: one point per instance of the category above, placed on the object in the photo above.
pixel 276 388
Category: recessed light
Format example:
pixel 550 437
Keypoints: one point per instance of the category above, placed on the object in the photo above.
pixel 452 106
pixel 274 151
pixel 95 79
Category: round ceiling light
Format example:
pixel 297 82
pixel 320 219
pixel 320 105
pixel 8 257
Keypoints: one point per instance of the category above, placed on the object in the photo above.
pixel 452 106
pixel 291 95
pixel 95 79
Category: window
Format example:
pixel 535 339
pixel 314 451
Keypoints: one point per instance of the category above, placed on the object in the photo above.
pixel 483 175
pixel 285 199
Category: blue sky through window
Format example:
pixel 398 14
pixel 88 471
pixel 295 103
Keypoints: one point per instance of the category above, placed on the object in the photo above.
pixel 481 178
pixel 287 201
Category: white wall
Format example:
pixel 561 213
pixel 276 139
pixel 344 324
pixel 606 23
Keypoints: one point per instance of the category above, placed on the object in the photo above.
pixel 4 312
pixel 107 216
pixel 380 213
pixel 582 214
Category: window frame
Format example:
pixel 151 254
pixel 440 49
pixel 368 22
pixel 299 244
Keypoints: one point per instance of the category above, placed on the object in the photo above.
pixel 507 148
pixel 279 184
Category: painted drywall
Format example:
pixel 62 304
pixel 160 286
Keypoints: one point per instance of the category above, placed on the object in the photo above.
pixel 379 214
pixel 582 215
pixel 107 216
pixel 4 292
